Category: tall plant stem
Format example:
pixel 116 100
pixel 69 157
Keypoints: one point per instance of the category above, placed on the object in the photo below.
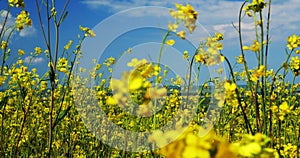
pixel 247 123
pixel 254 94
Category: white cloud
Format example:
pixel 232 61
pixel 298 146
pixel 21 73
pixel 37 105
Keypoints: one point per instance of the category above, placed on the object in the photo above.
pixel 217 15
pixel 34 60
pixel 28 31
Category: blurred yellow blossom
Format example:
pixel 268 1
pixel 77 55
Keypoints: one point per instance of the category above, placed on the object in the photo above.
pixel 3 45
pixel 21 52
pixel 170 42
pixel 254 48
pixel 181 34
pixel 187 14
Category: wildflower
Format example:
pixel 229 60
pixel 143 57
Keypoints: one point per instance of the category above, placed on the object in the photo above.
pixel 67 46
pixel 218 36
pixel 3 45
pixel 259 22
pixel 187 14
pixel 111 60
pixel 135 62
pixel 284 108
pixel 22 20
pixel 17 3
pixel 2 80
pixel 255 6
pixel 200 58
pixel 111 101
pixel 293 42
pixel 289 150
pixel 230 86
pixel 62 65
pixel 181 34
pixel 254 48
pixel 186 55
pixel 295 65
pixel 172 27
pixel 257 73
pixel 98 66
pixel 37 50
pixel 135 82
pixel 21 52
pixel 170 42
pixel 240 59
pixel 87 31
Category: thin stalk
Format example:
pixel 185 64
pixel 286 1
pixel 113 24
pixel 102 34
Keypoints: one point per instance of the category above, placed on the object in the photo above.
pixel 266 62
pixel 263 78
pixel 5 20
pixel 159 59
pixel 254 95
pixel 247 123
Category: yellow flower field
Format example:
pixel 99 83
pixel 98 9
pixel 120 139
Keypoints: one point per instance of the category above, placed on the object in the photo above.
pixel 56 114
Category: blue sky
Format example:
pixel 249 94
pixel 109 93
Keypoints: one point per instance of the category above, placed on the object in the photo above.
pixel 214 16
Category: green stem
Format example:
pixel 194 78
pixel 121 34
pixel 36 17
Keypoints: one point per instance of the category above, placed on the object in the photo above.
pixel 247 123
pixel 249 82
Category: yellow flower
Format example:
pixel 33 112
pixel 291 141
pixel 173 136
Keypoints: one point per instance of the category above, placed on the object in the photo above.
pixel 254 48
pixel 293 42
pixel 240 59
pixel 22 20
pixel 172 27
pixel 135 82
pixel 284 108
pixel 37 50
pixel 62 65
pixel 200 58
pixel 67 46
pixel 3 45
pixel 111 100
pixel 250 149
pixel 230 86
pixel 135 62
pixel 181 34
pixel 218 36
pixel 257 73
pixel 295 65
pixel 170 42
pixel 187 14
pixel 255 6
pixel 17 3
pixel 186 55
pixel 87 31
pixel 21 52
pixel 2 80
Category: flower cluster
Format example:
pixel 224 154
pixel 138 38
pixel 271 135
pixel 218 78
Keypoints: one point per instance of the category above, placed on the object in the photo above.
pixel 293 42
pixel 295 65
pixel 208 54
pixel 254 48
pixel 185 14
pixel 87 31
pixel 17 3
pixel 23 20
pixel 62 65
pixel 255 6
